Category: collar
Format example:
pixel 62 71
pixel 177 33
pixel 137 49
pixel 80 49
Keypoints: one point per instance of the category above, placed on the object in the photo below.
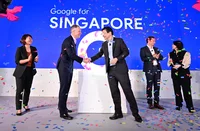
pixel 149 47
pixel 74 39
pixel 111 41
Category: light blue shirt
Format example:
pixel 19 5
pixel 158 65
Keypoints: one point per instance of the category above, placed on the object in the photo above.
pixel 110 49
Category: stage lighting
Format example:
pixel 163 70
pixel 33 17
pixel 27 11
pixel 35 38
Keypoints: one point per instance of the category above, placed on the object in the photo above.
pixel 4 5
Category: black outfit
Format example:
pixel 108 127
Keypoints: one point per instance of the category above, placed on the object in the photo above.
pixel 65 71
pixel 24 76
pixel 152 73
pixel 118 73
pixel 181 78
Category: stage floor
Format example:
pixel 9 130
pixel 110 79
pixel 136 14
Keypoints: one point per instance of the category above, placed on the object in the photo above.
pixel 44 116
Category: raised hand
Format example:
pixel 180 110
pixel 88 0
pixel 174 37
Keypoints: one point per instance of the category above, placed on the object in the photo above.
pixel 171 61
pixel 156 55
pixel 30 57
pixel 36 58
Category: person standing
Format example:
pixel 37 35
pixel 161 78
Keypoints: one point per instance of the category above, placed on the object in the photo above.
pixel 179 60
pixel 65 69
pixel 115 52
pixel 151 57
pixel 25 59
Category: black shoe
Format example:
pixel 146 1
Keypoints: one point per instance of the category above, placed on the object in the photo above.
pixel 138 118
pixel 191 110
pixel 19 114
pixel 66 117
pixel 116 116
pixel 178 108
pixel 26 109
pixel 151 106
pixel 69 111
pixel 159 106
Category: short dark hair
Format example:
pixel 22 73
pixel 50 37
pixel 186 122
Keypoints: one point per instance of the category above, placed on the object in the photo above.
pixel 149 38
pixel 24 38
pixel 108 29
pixel 178 44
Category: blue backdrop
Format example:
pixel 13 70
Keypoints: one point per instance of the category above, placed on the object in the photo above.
pixel 167 20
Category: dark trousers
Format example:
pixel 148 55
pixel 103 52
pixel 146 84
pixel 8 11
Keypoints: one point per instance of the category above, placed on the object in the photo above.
pixel 65 83
pixel 153 78
pixel 113 78
pixel 23 88
pixel 185 83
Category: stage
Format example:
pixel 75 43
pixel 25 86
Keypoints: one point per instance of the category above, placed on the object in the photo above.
pixel 89 95
pixel 44 116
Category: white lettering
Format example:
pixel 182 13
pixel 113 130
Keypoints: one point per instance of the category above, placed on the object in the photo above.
pixel 128 23
pixel 94 23
pixel 63 12
pixel 115 23
pixel 84 23
pixel 137 24
pixel 104 21
pixel 120 21
pixel 67 21
pixel 53 21
pixel 61 22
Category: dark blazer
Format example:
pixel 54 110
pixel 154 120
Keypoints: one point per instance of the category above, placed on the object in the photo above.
pixel 120 51
pixel 177 59
pixel 147 58
pixel 68 55
pixel 21 54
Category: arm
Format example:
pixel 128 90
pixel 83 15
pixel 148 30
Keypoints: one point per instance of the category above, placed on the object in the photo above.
pixel 98 55
pixel 125 51
pixel 67 48
pixel 157 54
pixel 186 60
pixel 170 62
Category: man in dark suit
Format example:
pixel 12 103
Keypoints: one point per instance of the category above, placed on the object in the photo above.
pixel 65 69
pixel 151 56
pixel 115 52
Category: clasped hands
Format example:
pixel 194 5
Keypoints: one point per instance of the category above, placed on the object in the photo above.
pixel 156 55
pixel 88 60
pixel 30 58
pixel 176 66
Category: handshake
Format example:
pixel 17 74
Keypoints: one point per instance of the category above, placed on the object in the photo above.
pixel 112 61
pixel 86 60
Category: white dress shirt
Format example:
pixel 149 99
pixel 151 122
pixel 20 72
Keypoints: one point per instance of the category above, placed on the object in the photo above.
pixel 155 63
